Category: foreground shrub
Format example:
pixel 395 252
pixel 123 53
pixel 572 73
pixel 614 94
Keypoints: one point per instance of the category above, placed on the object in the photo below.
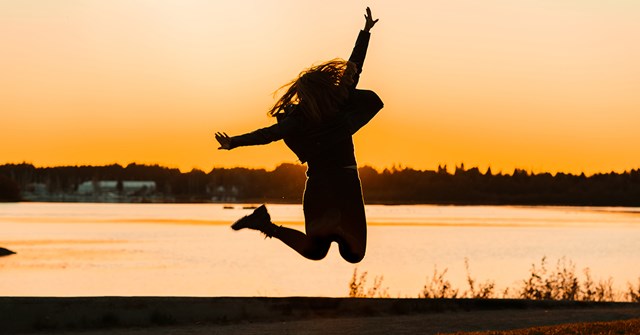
pixel 438 287
pixel 633 293
pixel 480 291
pixel 563 284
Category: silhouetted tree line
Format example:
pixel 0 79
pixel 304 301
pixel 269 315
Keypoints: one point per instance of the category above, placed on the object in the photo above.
pixel 393 186
pixel 285 183
pixel 519 188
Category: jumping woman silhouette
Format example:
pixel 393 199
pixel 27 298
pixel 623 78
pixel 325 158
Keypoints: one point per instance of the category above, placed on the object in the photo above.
pixel 316 117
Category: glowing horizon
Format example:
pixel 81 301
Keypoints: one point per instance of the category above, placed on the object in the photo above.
pixel 544 86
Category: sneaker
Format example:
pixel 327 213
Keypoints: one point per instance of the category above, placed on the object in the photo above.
pixel 258 220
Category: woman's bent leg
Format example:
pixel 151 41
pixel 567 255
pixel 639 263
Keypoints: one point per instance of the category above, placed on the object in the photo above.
pixel 260 220
pixel 311 248
pixel 334 211
pixel 353 223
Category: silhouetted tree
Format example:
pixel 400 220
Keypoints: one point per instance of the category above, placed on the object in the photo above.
pixel 9 190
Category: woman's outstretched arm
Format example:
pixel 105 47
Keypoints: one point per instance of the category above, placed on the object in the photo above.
pixel 260 136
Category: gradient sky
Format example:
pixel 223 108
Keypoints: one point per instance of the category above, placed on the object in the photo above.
pixel 543 85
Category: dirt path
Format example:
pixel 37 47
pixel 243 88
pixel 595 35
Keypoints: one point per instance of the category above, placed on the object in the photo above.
pixel 308 315
pixel 446 322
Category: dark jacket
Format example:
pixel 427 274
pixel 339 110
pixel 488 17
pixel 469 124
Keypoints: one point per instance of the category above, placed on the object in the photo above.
pixel 327 145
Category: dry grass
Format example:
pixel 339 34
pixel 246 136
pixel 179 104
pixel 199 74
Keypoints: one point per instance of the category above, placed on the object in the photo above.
pixel 596 328
pixel 357 287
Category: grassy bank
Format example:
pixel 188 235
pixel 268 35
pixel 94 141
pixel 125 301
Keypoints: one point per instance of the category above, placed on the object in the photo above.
pixel 591 328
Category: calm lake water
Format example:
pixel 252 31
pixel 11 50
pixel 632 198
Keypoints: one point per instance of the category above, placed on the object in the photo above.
pixel 82 249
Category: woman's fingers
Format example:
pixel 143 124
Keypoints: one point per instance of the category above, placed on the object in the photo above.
pixel 220 135
pixel 370 22
pixel 223 139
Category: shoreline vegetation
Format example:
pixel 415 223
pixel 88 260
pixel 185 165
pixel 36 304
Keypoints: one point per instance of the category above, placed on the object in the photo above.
pixel 284 184
pixel 561 283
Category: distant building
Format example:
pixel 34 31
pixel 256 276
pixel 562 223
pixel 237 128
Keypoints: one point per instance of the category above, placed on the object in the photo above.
pixel 220 193
pixel 111 186
pixel 37 188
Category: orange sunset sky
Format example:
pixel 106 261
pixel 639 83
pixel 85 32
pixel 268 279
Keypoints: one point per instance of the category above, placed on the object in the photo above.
pixel 543 85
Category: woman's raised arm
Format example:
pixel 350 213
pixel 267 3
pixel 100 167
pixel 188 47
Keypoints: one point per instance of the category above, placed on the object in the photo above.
pixel 360 49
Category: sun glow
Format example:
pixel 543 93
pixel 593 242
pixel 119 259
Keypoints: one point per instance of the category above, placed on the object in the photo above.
pixel 540 85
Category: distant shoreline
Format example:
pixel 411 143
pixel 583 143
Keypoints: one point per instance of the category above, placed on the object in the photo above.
pixel 280 201
pixel 285 184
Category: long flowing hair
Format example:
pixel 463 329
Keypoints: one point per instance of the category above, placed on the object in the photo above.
pixel 318 90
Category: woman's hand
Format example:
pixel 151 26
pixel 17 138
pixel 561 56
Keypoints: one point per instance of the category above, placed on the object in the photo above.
pixel 370 22
pixel 224 140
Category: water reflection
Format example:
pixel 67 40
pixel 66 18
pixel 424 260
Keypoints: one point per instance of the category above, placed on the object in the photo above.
pixel 188 250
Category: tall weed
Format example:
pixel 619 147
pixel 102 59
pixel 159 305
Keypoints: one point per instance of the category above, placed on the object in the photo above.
pixel 438 287
pixel 358 289
pixel 478 290
pixel 633 293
